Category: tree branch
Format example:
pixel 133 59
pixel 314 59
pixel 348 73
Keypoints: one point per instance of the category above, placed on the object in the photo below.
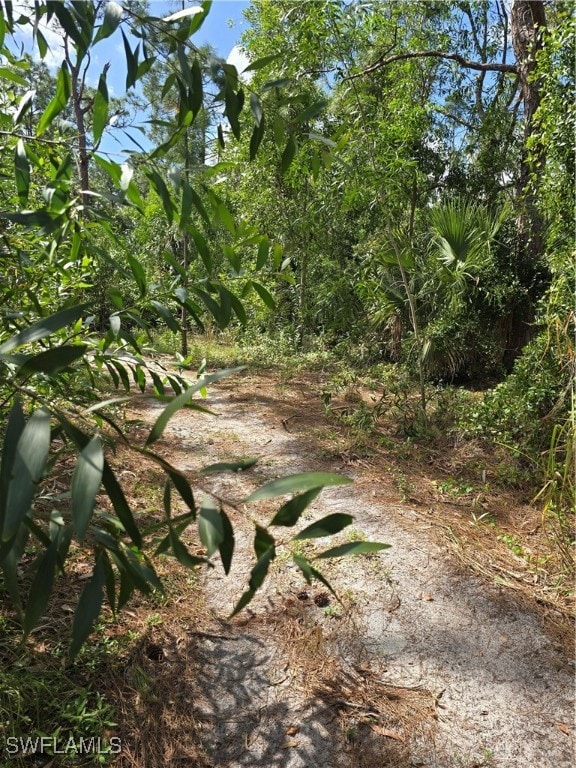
pixel 479 66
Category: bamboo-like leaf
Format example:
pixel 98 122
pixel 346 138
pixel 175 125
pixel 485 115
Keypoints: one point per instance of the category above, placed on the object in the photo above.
pixel 289 513
pixel 182 399
pixel 226 547
pixel 112 18
pixel 302 481
pixel 265 295
pixel 257 576
pixel 256 138
pixel 262 62
pixel 100 109
pixel 14 77
pixel 28 468
pixel 327 526
pixel 60 100
pixel 210 527
pixel 191 11
pixel 229 466
pixel 288 154
pixel 53 360
pixel 41 587
pixel 89 606
pixel 14 428
pixel 263 252
pixel 353 548
pixel 25 103
pixel 310 573
pixel 166 315
pixel 85 485
pixel 44 327
pixel 312 111
pixel 139 274
pixel 22 172
pixel 131 62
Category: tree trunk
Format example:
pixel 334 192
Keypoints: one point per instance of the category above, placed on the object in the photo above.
pixel 527 22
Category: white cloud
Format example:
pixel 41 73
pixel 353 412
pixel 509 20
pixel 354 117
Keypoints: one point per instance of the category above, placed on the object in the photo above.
pixel 238 58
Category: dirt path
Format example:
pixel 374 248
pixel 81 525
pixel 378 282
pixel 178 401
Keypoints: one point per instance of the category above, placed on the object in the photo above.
pixel 424 665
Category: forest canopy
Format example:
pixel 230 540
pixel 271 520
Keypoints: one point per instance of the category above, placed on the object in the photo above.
pixel 395 177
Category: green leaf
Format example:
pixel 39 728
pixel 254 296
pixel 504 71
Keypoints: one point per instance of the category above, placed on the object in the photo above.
pixel 210 527
pixel 100 109
pixel 25 103
pixel 85 485
pixel 327 526
pixel 182 554
pixel 53 360
pixel 121 506
pixel 44 327
pixel 302 481
pixel 182 400
pixel 281 82
pixel 312 111
pixel 256 107
pixel 225 218
pixel 288 154
pixel 263 252
pixel 14 77
pixel 257 576
pixel 162 190
pixel 22 172
pixel 112 18
pixel 89 606
pixel 229 466
pixel 139 274
pixel 41 587
pixel 353 548
pixel 263 541
pixel 226 547
pixel 256 138
pixel 28 468
pixel 166 315
pixel 14 428
pixel 262 62
pixel 289 513
pixel 310 573
pixel 265 295
pixel 131 62
pixel 60 100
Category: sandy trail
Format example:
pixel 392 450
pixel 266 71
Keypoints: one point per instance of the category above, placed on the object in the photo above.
pixel 504 690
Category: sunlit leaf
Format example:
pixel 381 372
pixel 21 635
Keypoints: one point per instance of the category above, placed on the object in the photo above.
pixel 303 481
pixel 60 100
pixel 353 548
pixel 85 485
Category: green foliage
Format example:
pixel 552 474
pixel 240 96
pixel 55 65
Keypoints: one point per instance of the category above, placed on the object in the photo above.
pixel 81 297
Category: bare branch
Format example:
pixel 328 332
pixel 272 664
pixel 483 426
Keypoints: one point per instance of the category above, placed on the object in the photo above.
pixel 479 66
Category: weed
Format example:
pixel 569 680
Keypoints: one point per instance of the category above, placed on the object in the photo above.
pixel 512 542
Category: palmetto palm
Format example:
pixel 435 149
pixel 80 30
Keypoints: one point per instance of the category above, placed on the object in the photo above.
pixel 462 239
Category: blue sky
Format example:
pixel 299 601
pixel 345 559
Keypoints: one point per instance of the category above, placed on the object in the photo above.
pixel 222 29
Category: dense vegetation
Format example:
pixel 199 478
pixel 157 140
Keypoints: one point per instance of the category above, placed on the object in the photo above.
pixel 392 181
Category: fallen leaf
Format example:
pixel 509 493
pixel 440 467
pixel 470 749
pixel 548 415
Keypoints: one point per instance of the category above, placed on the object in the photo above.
pixel 385 732
pixel 292 730
pixel 563 728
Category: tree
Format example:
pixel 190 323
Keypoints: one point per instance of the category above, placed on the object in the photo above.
pixel 52 359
